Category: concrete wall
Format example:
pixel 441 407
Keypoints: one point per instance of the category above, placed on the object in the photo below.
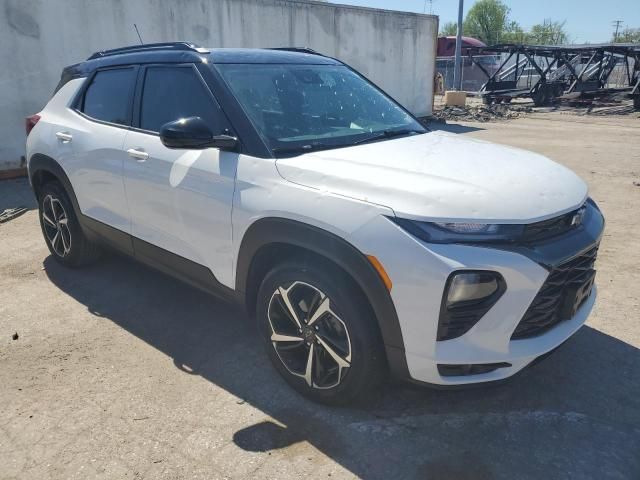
pixel 39 37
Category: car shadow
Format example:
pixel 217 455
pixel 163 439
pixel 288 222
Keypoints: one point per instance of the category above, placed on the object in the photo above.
pixel 575 415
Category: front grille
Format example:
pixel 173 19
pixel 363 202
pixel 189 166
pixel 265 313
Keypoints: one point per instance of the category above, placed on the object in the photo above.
pixel 565 289
pixel 552 227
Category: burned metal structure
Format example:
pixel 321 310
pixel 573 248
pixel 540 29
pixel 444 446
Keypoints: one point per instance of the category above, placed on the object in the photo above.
pixel 545 73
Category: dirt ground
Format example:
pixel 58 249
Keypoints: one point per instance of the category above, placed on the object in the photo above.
pixel 120 372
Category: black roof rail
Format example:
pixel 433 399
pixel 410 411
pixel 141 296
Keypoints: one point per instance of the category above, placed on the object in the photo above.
pixel 308 50
pixel 186 46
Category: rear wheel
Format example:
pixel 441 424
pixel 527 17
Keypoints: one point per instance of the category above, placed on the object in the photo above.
pixel 61 229
pixel 319 332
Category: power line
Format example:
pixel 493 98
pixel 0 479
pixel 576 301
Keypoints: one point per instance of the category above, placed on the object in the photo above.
pixel 424 9
pixel 617 24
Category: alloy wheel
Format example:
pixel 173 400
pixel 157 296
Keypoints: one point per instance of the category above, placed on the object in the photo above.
pixel 310 339
pixel 56 225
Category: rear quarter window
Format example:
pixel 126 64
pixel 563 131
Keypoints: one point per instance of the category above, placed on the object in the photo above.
pixel 108 97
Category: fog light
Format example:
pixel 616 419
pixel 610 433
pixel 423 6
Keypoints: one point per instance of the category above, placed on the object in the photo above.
pixel 468 295
pixel 466 287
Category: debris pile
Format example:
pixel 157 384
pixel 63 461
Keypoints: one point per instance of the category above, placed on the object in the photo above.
pixel 482 113
pixel 11 213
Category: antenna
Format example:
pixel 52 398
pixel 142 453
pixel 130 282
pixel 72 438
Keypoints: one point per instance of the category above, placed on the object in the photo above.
pixel 138 32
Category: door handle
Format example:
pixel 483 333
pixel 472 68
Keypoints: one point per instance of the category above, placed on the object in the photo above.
pixel 138 154
pixel 64 136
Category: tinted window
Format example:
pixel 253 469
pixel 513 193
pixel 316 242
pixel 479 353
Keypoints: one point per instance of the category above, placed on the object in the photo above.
pixel 108 97
pixel 171 93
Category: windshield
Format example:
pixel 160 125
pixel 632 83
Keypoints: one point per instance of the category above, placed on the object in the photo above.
pixel 298 108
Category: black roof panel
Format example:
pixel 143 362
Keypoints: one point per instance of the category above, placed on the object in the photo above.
pixel 172 54
pixel 262 55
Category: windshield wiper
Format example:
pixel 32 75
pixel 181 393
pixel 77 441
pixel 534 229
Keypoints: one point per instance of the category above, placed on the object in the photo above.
pixel 314 147
pixel 388 134
pixel 311 147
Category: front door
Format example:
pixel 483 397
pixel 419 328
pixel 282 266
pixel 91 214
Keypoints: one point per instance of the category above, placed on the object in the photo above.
pixel 180 200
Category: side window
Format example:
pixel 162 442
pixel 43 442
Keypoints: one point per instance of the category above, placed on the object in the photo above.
pixel 171 93
pixel 109 96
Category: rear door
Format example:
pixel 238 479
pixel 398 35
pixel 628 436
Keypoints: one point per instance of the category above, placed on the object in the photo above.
pixel 180 200
pixel 91 141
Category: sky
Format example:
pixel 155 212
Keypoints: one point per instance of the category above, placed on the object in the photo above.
pixel 587 20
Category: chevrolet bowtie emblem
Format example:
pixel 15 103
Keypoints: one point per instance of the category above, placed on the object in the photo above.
pixel 578 217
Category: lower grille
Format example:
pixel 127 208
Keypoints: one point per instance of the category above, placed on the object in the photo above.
pixel 565 290
pixel 469 369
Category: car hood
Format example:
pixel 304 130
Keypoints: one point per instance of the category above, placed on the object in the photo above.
pixel 442 176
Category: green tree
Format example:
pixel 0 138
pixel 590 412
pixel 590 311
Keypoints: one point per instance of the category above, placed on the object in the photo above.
pixel 487 20
pixel 628 35
pixel 449 29
pixel 548 33
pixel 514 33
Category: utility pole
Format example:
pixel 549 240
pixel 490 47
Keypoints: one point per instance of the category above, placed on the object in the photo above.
pixel 457 68
pixel 616 23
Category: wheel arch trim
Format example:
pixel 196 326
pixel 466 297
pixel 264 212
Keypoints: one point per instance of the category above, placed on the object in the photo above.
pixel 272 230
pixel 43 163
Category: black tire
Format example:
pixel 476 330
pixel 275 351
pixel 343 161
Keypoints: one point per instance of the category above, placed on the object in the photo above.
pixel 636 101
pixel 367 365
pixel 71 247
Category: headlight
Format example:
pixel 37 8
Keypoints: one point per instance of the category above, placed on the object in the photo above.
pixel 460 232
pixel 466 228
pixel 468 232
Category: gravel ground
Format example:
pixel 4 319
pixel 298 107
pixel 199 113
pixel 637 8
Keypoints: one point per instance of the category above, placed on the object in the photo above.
pixel 120 372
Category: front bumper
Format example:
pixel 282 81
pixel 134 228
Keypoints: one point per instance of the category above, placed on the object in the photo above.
pixel 419 271
pixel 519 353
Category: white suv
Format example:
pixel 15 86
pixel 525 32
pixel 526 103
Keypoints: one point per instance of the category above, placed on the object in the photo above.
pixel 285 180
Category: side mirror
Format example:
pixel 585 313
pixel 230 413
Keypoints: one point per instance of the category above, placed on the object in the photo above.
pixel 194 133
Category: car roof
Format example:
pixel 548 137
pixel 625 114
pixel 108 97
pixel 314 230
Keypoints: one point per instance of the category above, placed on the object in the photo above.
pixel 183 52
pixel 267 55
pixel 180 51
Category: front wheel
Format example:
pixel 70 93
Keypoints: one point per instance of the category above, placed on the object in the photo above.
pixel 319 332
